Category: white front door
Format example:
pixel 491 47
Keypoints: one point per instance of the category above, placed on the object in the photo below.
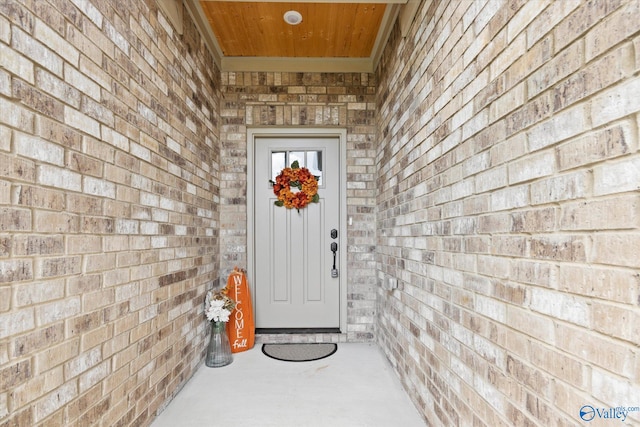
pixel 293 281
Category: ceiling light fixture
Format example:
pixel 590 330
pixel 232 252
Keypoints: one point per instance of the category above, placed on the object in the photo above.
pixel 292 17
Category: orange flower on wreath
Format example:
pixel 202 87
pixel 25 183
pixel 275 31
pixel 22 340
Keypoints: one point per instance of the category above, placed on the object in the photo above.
pixel 295 177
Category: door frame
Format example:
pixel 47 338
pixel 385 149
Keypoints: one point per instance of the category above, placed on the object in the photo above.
pixel 288 132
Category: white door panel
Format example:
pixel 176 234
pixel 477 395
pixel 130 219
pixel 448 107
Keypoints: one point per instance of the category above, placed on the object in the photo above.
pixel 293 284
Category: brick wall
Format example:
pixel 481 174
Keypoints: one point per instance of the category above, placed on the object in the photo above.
pixel 109 157
pixel 508 208
pixel 503 149
pixel 341 100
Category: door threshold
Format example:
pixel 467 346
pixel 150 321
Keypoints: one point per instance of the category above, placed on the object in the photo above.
pixel 265 331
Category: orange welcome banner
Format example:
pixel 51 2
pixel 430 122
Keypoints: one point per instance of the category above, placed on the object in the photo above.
pixel 240 327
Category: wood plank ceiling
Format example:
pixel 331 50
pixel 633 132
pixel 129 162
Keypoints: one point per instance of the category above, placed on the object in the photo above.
pixel 340 30
pixel 337 35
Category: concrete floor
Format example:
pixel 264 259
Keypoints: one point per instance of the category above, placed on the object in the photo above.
pixel 353 387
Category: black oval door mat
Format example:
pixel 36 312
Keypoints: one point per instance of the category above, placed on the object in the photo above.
pixel 299 352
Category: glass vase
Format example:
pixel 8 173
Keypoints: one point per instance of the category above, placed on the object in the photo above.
pixel 219 349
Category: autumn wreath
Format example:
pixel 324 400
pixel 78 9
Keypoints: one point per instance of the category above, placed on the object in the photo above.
pixel 296 177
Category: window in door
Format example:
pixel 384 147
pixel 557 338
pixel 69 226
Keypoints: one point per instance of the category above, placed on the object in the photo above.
pixel 311 160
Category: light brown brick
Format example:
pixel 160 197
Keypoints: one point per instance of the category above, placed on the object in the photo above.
pixel 99 150
pixel 57 354
pixel 5 192
pixel 57 88
pixel 62 266
pixel 619 101
pixel 98 187
pixel 510 245
pixel 5 298
pixel 531 324
pixel 97 300
pixel 39 197
pixel 41 338
pixel 534 166
pixel 530 113
pixel 535 272
pixel 559 364
pixel 83 403
pixel 83 164
pixel 126 357
pixel 20 117
pixel 38 292
pixel 523 18
pixel 549 18
pixel 595 76
pixel 507 102
pixel 55 222
pixel 612 30
pixel 609 284
pixel 581 20
pixel 97 225
pixel 616 249
pixel 52 130
pixel 494 223
pixel 42 383
pixel 562 248
pixel 55 400
pixel 38 149
pixel 567 62
pixel 594 349
pixel 539 220
pixel 560 127
pixel 58 178
pixel 15 270
pixel 82 204
pixel 636 46
pixel 96 337
pixel 560 187
pixel 16 322
pixel 619 322
pixel 99 262
pixel 616 213
pixel 84 283
pixel 617 177
pixel 38 245
pixel 13 375
pixel 15 219
pixel 58 310
pixel 595 147
pixel 508 149
pixel 114 345
pixel 84 244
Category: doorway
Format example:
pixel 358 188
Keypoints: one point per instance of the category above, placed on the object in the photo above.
pixel 297 258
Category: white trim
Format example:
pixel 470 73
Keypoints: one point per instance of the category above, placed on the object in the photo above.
pixel 282 64
pixel 173 10
pixel 408 13
pixel 341 134
pixel 386 26
pixel 198 17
